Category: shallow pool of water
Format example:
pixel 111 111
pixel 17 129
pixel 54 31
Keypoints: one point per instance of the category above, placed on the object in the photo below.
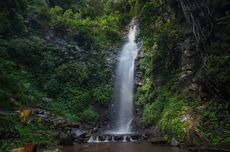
pixel 122 147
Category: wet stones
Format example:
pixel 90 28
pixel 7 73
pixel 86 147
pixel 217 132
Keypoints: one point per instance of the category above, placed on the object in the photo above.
pixel 135 137
pixel 145 136
pixel 118 138
pixel 115 138
pixel 70 135
pixel 128 138
pixel 102 138
pixel 77 133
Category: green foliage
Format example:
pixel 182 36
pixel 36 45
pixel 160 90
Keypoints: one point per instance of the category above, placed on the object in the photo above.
pixel 14 134
pixel 167 112
pixel 135 7
pixel 211 128
pixel 38 13
pixel 152 112
pixel 89 115
pixel 12 13
pixel 60 108
pixel 6 145
pixel 62 3
pixel 25 50
pixel 26 135
pixel 217 68
pixel 72 72
pixel 165 104
pixel 57 51
pixel 102 94
pixel 144 94
pixel 9 81
pixel 7 132
pixel 148 16
pixel 15 85
pixel 65 19
pixel 172 114
pixel 60 50
pixel 76 100
pixel 5 23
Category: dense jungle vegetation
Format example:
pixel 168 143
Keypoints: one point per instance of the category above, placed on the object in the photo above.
pixel 59 55
pixel 185 70
pixel 54 55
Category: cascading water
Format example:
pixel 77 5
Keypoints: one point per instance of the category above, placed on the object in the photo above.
pixel 123 91
pixel 124 84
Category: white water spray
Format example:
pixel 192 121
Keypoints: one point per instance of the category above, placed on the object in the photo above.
pixel 124 84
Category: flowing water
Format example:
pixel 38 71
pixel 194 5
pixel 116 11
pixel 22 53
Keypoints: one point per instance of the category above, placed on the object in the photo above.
pixel 123 91
pixel 122 147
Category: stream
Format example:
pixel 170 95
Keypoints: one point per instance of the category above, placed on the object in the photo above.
pixel 122 147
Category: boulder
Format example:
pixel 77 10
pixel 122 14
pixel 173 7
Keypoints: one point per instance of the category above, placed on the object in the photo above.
pixel 128 138
pixel 94 130
pixel 58 121
pixel 145 136
pixel 102 138
pixel 135 137
pixel 109 138
pixel 119 138
pixel 78 133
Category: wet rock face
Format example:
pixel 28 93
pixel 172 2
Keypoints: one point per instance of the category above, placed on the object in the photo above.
pixel 190 66
pixel 150 133
pixel 206 27
pixel 189 56
pixel 138 74
pixel 197 15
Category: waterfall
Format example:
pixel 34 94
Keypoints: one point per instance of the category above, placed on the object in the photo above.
pixel 124 84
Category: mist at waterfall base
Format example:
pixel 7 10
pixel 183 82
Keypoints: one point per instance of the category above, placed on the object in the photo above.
pixel 124 84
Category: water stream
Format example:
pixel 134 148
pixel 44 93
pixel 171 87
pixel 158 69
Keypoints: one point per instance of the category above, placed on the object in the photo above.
pixel 123 90
pixel 124 84
pixel 123 147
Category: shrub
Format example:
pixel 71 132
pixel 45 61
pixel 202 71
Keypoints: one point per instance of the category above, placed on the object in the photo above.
pixel 152 112
pixel 72 73
pixel 89 115
pixel 102 94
